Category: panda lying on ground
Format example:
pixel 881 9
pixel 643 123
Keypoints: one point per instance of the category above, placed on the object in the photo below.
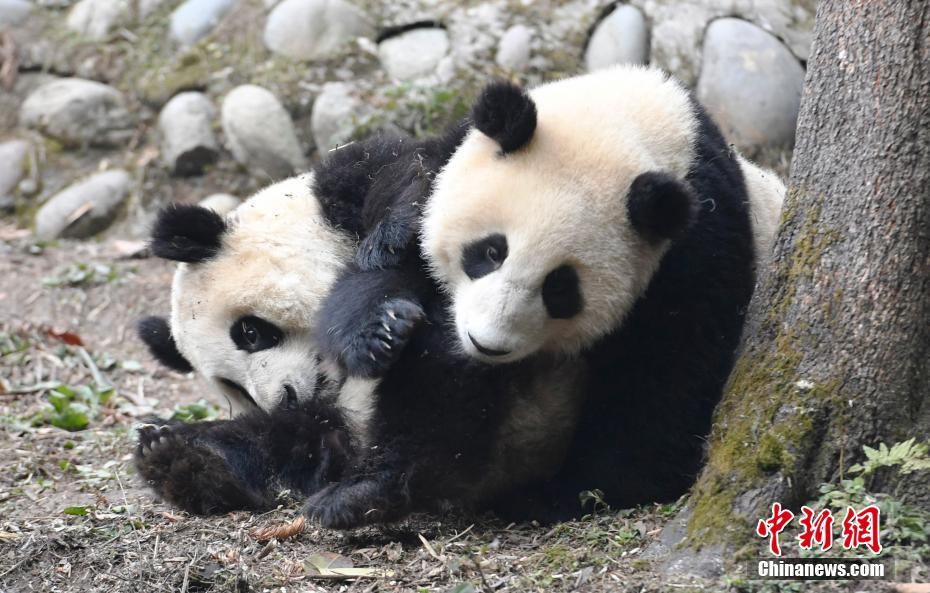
pixel 616 227
pixel 439 426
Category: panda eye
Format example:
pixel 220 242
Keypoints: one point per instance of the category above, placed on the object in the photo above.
pixel 484 256
pixel 254 334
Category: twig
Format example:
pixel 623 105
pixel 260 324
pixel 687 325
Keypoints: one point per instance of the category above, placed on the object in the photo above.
pixel 429 548
pixel 484 581
pixel 458 535
pixel 99 379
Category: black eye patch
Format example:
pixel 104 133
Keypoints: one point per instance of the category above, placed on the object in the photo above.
pixel 561 293
pixel 484 256
pixel 254 334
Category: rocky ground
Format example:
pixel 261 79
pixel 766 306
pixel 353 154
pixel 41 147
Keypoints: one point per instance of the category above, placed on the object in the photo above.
pixel 111 108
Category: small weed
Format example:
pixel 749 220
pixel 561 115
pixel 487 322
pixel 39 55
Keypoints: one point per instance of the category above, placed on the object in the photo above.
pixel 82 274
pixel 72 408
pixel 202 410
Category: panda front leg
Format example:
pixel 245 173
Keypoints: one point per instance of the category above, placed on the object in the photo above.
pixel 367 320
pixel 362 499
pixel 242 464
pixel 188 467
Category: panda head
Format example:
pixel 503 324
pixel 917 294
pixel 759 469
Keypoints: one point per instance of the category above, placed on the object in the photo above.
pixel 246 291
pixel 550 219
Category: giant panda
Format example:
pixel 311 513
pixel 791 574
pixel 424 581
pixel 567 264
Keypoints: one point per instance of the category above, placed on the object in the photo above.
pixel 605 217
pixel 254 302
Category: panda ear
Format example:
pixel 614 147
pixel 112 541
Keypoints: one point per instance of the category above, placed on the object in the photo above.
pixel 187 233
pixel 661 206
pixel 507 114
pixel 156 334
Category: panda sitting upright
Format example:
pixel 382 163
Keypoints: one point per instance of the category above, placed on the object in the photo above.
pixel 436 427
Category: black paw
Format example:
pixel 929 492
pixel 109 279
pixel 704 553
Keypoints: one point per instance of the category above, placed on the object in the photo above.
pixel 191 475
pixel 379 497
pixel 384 247
pixel 382 338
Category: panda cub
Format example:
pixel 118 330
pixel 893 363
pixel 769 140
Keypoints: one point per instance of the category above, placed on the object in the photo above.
pixel 605 217
pixel 253 306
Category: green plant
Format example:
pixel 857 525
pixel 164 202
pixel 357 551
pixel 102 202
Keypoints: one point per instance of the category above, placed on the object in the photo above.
pixel 72 408
pixel 201 410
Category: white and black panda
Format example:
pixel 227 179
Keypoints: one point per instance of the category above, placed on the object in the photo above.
pixel 604 216
pixel 435 427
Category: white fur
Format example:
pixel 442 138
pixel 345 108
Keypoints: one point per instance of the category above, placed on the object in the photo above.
pixel 766 195
pixel 278 262
pixel 560 200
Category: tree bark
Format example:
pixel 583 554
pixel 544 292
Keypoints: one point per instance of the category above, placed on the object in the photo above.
pixel 837 346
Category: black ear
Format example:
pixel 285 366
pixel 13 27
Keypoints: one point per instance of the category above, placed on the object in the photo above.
pixel 661 206
pixel 156 334
pixel 507 114
pixel 187 233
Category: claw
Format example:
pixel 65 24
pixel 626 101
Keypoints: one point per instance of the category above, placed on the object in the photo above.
pixel 371 355
pixel 391 314
pixel 386 328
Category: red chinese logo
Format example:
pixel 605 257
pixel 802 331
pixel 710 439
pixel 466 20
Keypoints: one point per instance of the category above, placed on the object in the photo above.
pixel 817 529
pixel 859 529
pixel 773 526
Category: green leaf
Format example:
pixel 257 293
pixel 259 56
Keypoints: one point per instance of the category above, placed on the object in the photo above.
pixel 76 511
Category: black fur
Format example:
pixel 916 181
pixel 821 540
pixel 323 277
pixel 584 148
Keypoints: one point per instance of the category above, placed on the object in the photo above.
pixel 187 233
pixel 660 206
pixel 507 114
pixel 156 333
pixel 561 293
pixel 225 465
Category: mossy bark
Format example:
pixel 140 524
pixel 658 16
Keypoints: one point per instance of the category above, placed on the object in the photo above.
pixel 836 352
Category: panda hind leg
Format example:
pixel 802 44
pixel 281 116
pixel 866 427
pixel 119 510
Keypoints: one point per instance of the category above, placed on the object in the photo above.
pixel 380 497
pixel 193 473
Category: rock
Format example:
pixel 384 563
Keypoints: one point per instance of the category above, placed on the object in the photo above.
pixel 76 111
pixel 260 132
pixel 13 165
pixel 194 19
pixel 96 18
pixel 314 29
pixel 187 140
pixel 620 38
pixel 221 203
pixel 84 208
pixel 513 52
pixel 751 84
pixel 413 53
pixel 335 114
pixel 14 12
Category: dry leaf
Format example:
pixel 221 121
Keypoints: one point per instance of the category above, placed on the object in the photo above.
pixel 69 338
pixel 279 532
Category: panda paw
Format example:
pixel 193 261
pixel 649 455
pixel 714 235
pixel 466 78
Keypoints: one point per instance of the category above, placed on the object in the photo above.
pixel 355 503
pixel 191 475
pixel 382 338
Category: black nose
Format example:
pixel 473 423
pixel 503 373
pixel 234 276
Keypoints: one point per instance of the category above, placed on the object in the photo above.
pixel 487 351
pixel 290 396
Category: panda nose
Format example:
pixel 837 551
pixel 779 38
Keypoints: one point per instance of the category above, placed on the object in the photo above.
pixel 290 396
pixel 487 351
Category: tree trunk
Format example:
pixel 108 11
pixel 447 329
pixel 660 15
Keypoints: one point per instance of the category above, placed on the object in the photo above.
pixel 837 345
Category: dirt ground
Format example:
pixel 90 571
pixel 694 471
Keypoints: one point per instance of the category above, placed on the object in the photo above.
pixel 75 517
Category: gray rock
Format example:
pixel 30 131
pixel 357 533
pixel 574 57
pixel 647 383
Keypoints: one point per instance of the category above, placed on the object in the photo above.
pixel 194 19
pixel 751 84
pixel 76 111
pixel 13 155
pixel 14 12
pixel 620 38
pixel 84 208
pixel 513 52
pixel 221 203
pixel 335 113
pixel 187 140
pixel 314 29
pixel 96 18
pixel 413 54
pixel 260 132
